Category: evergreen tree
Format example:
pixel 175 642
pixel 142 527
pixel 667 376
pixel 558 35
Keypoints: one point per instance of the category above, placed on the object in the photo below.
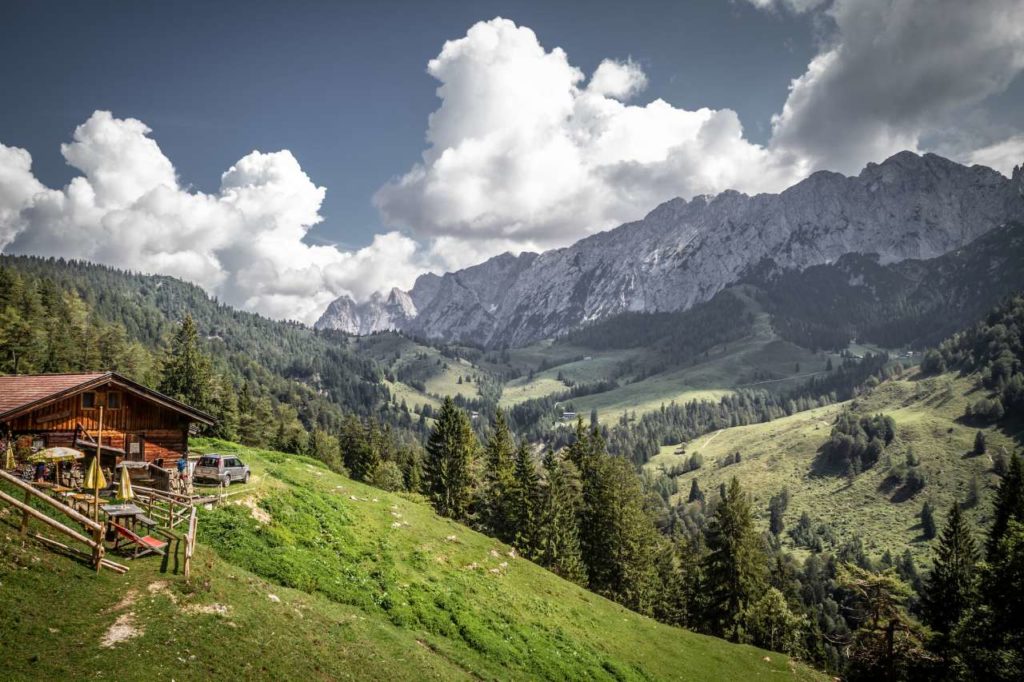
pixel 324 447
pixel 499 479
pixel 696 494
pixel 670 604
pixel 979 443
pixel 448 467
pixel 618 538
pixel 224 404
pixel 927 521
pixel 522 501
pixel 951 587
pixel 360 447
pixel 734 567
pixel 558 541
pixel 1009 504
pixel 186 372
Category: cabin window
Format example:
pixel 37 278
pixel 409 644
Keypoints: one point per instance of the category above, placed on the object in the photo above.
pixel 114 400
pixel 89 400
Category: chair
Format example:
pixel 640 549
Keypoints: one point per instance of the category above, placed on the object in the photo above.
pixel 143 544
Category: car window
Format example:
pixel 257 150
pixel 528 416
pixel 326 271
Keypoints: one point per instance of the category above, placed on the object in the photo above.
pixel 239 463
pixel 208 462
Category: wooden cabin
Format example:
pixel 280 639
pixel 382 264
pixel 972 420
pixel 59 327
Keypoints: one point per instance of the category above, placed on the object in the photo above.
pixel 139 424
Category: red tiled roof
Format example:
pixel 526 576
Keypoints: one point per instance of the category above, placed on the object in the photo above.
pixel 19 392
pixel 25 389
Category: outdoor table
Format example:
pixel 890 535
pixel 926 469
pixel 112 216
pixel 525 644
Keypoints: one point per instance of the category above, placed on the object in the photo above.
pixel 122 511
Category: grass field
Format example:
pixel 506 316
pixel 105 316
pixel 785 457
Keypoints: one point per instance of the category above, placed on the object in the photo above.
pixel 309 575
pixel 780 454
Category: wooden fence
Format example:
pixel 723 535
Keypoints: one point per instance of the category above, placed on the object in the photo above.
pixel 94 543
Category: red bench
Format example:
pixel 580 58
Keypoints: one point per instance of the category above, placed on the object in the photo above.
pixel 143 544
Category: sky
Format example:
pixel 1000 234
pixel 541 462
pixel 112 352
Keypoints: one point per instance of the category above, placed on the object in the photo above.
pixel 283 154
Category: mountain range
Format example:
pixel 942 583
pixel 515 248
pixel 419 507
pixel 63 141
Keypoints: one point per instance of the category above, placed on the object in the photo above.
pixel 684 252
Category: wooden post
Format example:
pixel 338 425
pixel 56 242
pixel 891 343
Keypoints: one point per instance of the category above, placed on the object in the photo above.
pixel 99 469
pixel 190 542
pixel 24 514
pixel 98 550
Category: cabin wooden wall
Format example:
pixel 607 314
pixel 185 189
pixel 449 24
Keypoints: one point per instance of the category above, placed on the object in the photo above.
pixel 164 432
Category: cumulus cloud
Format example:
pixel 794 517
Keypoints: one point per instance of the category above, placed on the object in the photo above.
pixel 526 152
pixel 620 80
pixel 893 72
pixel 244 243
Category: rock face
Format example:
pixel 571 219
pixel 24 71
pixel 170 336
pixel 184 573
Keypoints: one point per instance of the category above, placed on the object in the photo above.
pixel 684 252
pixel 377 314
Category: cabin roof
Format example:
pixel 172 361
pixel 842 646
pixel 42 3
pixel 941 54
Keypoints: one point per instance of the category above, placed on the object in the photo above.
pixel 23 393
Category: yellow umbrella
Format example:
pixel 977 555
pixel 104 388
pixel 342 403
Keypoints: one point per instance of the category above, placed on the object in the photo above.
pixel 9 462
pixel 124 487
pixel 94 479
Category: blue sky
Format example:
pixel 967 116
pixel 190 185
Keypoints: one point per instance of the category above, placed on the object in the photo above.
pixel 283 154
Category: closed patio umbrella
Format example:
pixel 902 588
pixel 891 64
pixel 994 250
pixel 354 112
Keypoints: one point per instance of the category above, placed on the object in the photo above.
pixel 94 479
pixel 9 462
pixel 124 486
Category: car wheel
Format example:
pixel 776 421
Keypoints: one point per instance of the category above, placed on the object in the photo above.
pixel 246 479
pixel 226 480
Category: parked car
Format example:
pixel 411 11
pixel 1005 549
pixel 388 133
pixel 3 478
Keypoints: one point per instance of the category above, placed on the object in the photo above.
pixel 222 469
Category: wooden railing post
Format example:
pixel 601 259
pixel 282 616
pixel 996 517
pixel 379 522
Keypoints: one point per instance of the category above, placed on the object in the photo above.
pixel 24 514
pixel 98 550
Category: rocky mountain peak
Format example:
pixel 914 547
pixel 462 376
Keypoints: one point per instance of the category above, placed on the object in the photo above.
pixel 684 252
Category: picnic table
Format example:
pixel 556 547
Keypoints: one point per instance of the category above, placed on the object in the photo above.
pixel 128 512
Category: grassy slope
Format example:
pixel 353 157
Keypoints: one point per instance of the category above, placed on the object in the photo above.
pixel 366 585
pixel 780 454
pixel 739 364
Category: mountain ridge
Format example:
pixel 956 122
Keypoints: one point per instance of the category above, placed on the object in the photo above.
pixel 683 252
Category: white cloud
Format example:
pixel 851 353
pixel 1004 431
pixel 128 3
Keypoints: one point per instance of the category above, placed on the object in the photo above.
pixel 797 6
pixel 523 155
pixel 621 80
pixel 244 243
pixel 894 72
pixel 1004 155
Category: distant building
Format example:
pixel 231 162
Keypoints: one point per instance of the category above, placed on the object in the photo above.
pixel 568 416
pixel 474 415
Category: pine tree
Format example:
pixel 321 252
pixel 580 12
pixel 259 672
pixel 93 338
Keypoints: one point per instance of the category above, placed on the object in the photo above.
pixel 224 403
pixel 617 537
pixel 523 501
pixel 558 540
pixel 670 604
pixel 360 447
pixel 951 588
pixel 1009 505
pixel 324 447
pixel 499 479
pixel 734 568
pixel 979 443
pixel 927 521
pixel 186 371
pixel 696 494
pixel 448 468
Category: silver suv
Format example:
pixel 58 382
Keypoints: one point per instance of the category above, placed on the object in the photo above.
pixel 223 469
